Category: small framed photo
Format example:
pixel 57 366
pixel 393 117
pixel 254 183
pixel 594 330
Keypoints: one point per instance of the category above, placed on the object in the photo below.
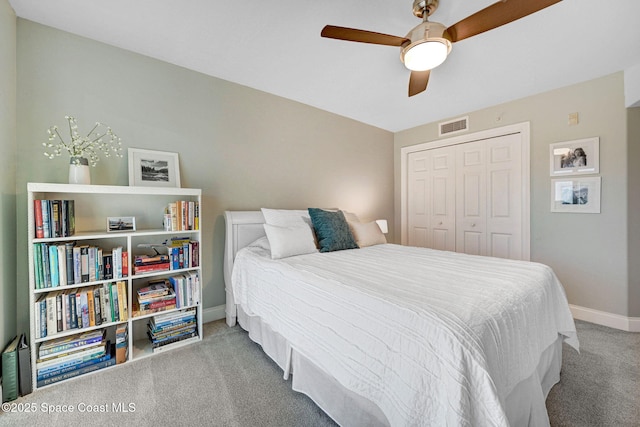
pixel 577 157
pixel 121 223
pixel 150 168
pixel 579 195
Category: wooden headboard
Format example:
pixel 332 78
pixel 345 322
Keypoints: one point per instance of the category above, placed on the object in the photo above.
pixel 242 228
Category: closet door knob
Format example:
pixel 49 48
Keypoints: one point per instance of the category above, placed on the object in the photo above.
pixel 473 224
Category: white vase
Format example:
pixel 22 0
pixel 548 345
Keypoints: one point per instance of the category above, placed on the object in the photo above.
pixel 79 171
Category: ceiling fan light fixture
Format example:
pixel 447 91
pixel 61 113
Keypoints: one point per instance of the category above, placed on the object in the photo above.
pixel 425 54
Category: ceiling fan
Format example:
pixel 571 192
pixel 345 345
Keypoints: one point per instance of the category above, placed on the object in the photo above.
pixel 427 45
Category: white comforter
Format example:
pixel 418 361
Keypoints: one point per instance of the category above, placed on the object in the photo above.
pixel 431 337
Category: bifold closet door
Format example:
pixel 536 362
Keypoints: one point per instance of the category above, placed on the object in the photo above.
pixel 431 202
pixel 489 197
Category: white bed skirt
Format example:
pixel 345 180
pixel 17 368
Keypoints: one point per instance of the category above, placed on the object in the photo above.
pixel 525 405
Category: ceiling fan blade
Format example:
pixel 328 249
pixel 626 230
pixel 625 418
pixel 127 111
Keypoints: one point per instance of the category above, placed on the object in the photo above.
pixel 493 16
pixel 418 82
pixel 362 36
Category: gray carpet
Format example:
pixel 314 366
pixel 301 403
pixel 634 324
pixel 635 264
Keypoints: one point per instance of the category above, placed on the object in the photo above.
pixel 226 380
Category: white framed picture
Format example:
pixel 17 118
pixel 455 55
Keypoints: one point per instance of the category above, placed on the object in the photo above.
pixel 577 195
pixel 149 168
pixel 121 223
pixel 578 157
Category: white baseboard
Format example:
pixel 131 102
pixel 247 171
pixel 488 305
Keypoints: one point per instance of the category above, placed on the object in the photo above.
pixel 616 321
pixel 213 313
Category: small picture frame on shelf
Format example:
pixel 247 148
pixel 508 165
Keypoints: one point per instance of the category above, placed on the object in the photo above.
pixel 149 168
pixel 576 195
pixel 121 223
pixel 577 157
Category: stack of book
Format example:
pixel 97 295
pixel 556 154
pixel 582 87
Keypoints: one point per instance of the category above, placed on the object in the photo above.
pixel 54 218
pixel 172 328
pixel 157 296
pixel 59 311
pixel 71 356
pixel 150 263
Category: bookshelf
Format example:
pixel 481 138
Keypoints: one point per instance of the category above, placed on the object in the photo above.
pixel 91 206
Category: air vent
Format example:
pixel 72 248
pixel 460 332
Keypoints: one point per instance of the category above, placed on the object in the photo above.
pixel 454 126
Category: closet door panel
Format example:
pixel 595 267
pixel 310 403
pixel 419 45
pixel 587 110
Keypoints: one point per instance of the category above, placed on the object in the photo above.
pixel 443 204
pixel 431 210
pixel 504 214
pixel 418 200
pixel 471 194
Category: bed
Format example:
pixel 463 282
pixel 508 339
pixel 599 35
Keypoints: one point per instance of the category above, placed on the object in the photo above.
pixel 396 335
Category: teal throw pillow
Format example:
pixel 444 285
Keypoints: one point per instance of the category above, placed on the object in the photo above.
pixel 332 230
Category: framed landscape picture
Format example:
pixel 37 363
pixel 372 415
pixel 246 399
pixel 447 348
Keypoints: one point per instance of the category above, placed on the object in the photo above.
pixel 579 195
pixel 121 223
pixel 577 157
pixel 150 168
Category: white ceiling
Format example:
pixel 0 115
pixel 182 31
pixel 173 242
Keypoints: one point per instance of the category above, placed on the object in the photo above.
pixel 275 46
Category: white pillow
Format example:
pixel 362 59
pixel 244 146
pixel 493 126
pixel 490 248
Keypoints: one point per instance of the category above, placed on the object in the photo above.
pixel 290 241
pixel 262 243
pixel 367 234
pixel 286 217
pixel 351 217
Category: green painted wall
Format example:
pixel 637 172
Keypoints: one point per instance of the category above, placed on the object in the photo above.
pixel 8 286
pixel 246 149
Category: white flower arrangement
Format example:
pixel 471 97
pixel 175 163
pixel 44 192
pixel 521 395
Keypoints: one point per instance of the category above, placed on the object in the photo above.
pixel 101 139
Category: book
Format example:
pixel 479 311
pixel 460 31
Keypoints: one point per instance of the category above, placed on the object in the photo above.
pixel 73 312
pixel 84 308
pixel 53 265
pixel 105 298
pixel 173 343
pixel 46 219
pixel 122 343
pixel 37 265
pixel 139 260
pixel 84 263
pixel 93 251
pixel 24 366
pixel 116 262
pixel 77 265
pixel 37 214
pixel 55 218
pixel 62 264
pixel 91 307
pixel 59 311
pixel 64 222
pixel 125 264
pixel 114 302
pixel 97 305
pixel 71 217
pixel 68 250
pixel 70 342
pixel 10 371
pixel 154 288
pixel 122 300
pixel 140 269
pixel 107 266
pixel 52 322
